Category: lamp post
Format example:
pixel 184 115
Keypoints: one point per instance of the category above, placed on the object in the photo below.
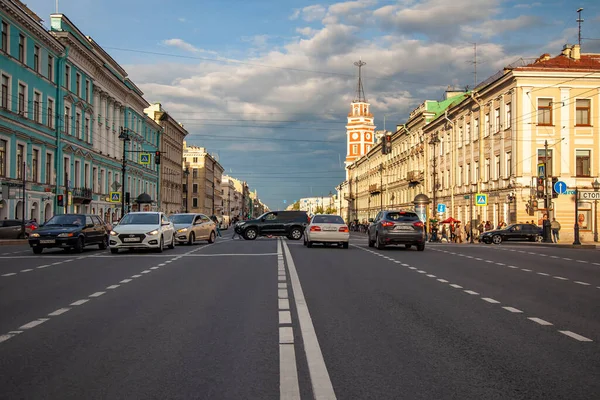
pixel 124 136
pixel 576 240
pixel 186 172
pixel 596 186
pixel 434 141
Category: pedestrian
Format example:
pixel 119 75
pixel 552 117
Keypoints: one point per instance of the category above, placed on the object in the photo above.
pixel 216 221
pixel 458 233
pixel 235 222
pixel 555 226
pixel 468 231
pixel 546 229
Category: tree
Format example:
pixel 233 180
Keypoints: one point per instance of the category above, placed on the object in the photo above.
pixel 319 210
pixel 296 206
pixel 331 210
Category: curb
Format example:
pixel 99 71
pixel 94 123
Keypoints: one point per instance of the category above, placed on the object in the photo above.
pixel 12 242
pixel 559 246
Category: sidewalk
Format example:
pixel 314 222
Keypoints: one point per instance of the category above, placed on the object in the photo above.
pixel 12 242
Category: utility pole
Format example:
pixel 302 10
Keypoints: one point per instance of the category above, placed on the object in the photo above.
pixel 66 200
pixel 124 135
pixel 24 200
pixel 579 22
pixel 381 187
pixel 434 141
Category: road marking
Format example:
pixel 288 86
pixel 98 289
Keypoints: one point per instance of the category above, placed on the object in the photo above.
pixel 281 278
pixel 26 270
pixel 512 309
pixel 532 253
pixel 582 283
pixel 525 269
pixel 135 276
pixel 286 335
pixel 284 304
pixel 554 257
pixel 561 278
pixel 289 388
pixel 576 336
pixel 319 376
pixel 512 266
pixel 431 275
pixel 97 294
pixel 443 280
pixel 454 285
pixel 479 259
pixel 471 292
pixel 33 324
pixel 282 294
pixel 10 274
pixel 282 285
pixel 404 265
pixel 489 261
pixel 80 302
pixel 490 300
pixel 500 263
pixel 582 261
pixel 421 271
pixel 113 286
pixel 567 259
pixel 543 273
pixel 412 267
pixel 126 280
pixel 58 312
pixel 596 263
pixel 56 263
pixel 539 321
pixel 43 266
pixel 153 267
pixel 285 317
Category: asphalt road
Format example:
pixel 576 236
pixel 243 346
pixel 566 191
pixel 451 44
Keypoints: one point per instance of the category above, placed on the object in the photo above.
pixel 270 319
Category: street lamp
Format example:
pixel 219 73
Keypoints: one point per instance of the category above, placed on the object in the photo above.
pixel 596 186
pixel 186 172
pixel 434 141
pixel 124 136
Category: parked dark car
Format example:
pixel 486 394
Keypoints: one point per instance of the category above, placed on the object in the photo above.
pixel 275 223
pixel 13 229
pixel 70 231
pixel 512 232
pixel 396 228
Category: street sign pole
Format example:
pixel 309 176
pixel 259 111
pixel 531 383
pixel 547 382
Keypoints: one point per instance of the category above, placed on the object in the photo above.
pixel 576 228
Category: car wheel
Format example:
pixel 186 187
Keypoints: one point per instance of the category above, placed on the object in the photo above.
pixel 380 245
pixel 371 242
pixel 345 245
pixel 496 239
pixel 172 245
pixel 420 247
pixel 309 244
pixel 407 246
pixel 192 238
pixel 211 238
pixel 250 234
pixel 304 241
pixel 161 245
pixel 114 251
pixel 104 244
pixel 37 250
pixel 79 245
pixel 295 234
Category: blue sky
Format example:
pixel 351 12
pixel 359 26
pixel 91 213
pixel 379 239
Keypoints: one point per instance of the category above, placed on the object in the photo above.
pixel 267 84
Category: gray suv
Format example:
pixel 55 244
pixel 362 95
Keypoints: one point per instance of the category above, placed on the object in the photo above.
pixel 396 227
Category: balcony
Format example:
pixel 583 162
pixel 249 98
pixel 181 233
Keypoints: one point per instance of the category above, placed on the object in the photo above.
pixel 82 195
pixel 374 189
pixel 414 176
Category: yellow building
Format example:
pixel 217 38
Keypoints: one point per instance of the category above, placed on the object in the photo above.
pixel 202 177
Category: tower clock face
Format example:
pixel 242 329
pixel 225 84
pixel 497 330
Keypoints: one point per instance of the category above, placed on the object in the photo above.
pixel 355 136
pixel 368 136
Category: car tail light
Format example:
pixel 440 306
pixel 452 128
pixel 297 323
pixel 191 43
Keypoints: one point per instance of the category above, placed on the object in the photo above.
pixel 344 229
pixel 315 228
pixel 418 224
pixel 387 223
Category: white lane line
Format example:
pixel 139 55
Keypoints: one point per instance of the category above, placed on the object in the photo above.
pixel 285 317
pixel 554 257
pixel 286 335
pixel 97 294
pixel 582 261
pixel 282 294
pixel 567 259
pixel 421 271
pixel 454 285
pixel 113 286
pixel 525 269
pixel 582 283
pixel 35 323
pixel 126 280
pixel 282 285
pixel 542 255
pixel 431 275
pixel 79 302
pixel 512 309
pixel 596 263
pixel 284 304
pixel 576 336
pixel 281 278
pixel 289 388
pixel 43 266
pixel 412 267
pixel 58 312
pixel 471 292
pixel 4 338
pixel 162 265
pixel 479 259
pixel 26 270
pixel 135 276
pixel 512 266
pixel 561 278
pixel 56 263
pixel 543 274
pixel 10 274
pixel 539 321
pixel 490 300
pixel 489 261
pixel 530 252
pixel 146 271
pixel 319 376
pixel 404 265
pixel 500 263
pixel 443 280
pixel 153 267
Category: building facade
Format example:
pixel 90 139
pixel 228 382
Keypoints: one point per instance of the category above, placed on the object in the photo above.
pixel 317 205
pixel 202 191
pixel 232 199
pixel 171 149
pixel 242 209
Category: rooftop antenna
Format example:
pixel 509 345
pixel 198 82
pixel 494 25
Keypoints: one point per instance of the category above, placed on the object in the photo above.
pixel 57 6
pixel 360 92
pixel 475 63
pixel 579 21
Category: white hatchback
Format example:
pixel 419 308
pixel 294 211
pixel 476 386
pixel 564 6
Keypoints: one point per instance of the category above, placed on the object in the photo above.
pixel 326 228
pixel 142 230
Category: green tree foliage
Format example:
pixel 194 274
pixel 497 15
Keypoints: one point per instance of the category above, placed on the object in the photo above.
pixel 296 206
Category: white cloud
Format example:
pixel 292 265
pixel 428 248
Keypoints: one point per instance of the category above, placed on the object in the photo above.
pixel 490 28
pixel 527 6
pixel 306 31
pixel 181 44
pixel 313 13
pixel 295 14
pixel 181 19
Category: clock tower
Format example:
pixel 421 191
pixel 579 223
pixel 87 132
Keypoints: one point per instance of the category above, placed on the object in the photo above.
pixel 360 130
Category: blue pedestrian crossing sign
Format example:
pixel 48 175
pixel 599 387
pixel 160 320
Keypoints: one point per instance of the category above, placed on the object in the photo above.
pixel 481 199
pixel 441 208
pixel 560 187
pixel 115 197
pixel 144 158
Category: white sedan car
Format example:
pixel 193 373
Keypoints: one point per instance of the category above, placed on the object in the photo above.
pixel 326 229
pixel 142 230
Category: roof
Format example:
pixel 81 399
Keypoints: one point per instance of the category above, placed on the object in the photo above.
pixel 585 62
pixel 439 107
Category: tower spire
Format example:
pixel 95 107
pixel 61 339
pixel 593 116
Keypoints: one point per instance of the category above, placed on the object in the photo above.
pixel 360 92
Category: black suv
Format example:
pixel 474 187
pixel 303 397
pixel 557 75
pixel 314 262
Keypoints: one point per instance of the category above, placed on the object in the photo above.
pixel 70 231
pixel 275 223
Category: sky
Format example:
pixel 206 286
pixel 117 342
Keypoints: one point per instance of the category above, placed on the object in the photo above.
pixel 266 85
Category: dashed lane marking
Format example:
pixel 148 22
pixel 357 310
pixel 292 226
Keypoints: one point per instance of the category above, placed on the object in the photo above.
pixel 10 274
pixel 33 324
pixel 135 276
pixel 59 312
pixel 285 317
pixel 26 270
pixel 562 278
pixel 80 302
pixel 490 300
pixel 113 286
pixel 543 274
pixel 126 280
pixel 576 336
pixel 582 283
pixel 454 285
pixel 443 280
pixel 97 294
pixel 512 309
pixel 471 292
pixel 539 321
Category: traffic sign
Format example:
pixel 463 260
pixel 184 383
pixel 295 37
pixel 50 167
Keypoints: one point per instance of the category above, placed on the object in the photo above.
pixel 441 208
pixel 115 185
pixel 115 197
pixel 542 170
pixel 481 199
pixel 144 158
pixel 589 195
pixel 560 187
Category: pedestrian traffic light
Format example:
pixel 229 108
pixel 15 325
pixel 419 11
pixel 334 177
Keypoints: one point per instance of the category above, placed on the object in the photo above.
pixel 60 200
pixel 157 157
pixel 540 188
pixel 386 146
pixel 554 182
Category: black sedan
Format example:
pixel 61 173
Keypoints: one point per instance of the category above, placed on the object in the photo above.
pixel 70 231
pixel 513 232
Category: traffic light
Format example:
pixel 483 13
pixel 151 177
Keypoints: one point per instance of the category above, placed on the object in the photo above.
pixel 157 157
pixel 554 181
pixel 386 146
pixel 127 197
pixel 540 188
pixel 60 200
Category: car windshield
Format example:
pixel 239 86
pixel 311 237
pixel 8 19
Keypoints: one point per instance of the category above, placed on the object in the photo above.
pixel 327 219
pixel 402 216
pixel 139 219
pixel 181 218
pixel 71 219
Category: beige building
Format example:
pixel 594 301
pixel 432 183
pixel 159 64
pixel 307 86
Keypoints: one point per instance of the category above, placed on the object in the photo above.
pixel 171 148
pixel 492 141
pixel 202 187
pixel 242 201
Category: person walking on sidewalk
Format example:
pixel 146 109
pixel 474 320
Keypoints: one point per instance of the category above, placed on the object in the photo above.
pixel 555 226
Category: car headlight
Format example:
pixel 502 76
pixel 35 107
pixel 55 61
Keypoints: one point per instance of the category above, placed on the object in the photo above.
pixel 65 234
pixel 152 233
pixel 34 235
pixel 182 230
pixel 113 233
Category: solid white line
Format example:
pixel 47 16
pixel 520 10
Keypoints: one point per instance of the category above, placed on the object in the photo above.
pixel 26 270
pixel 79 302
pixel 113 286
pixel 576 336
pixel 454 285
pixel 282 294
pixel 34 323
pixel 512 309
pixel 285 317
pixel 282 285
pixel 490 300
pixel 59 311
pixel 582 283
pixel 319 376
pixel 97 294
pixel 289 389
pixel 10 274
pixel 126 280
pixel 470 292
pixel 443 280
pixel 539 321
pixel 284 304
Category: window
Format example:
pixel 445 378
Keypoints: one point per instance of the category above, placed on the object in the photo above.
pixel 497 170
pixel 87 90
pixel 66 169
pixel 487 170
pixel 48 171
pixel 4 43
pixel 194 202
pixel 508 115
pixel 496 120
pixel 50 117
pixel 476 171
pixel 20 158
pixel 21 105
pixel 67 76
pixel 460 175
pixel 86 130
pixel 354 149
pixel 78 84
pixel 582 112
pixel 195 188
pixel 86 176
pixel 50 68
pixel 486 127
pixel 67 119
pixel 5 88
pixel 468 174
pixel 3 144
pixel 475 130
pixel 194 173
pixel 547 160
pixel 544 112
pixel 36 58
pixel 582 162
pixel 77 174
pixel 37 105
pixel 21 48
pixel 460 136
pixel 468 134
pixel 35 158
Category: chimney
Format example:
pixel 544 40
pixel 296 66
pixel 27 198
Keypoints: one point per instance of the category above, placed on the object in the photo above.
pixel 576 52
pixel 566 51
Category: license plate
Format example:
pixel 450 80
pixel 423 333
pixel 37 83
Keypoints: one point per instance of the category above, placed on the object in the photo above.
pixel 47 241
pixel 131 239
pixel 402 228
pixel 330 229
